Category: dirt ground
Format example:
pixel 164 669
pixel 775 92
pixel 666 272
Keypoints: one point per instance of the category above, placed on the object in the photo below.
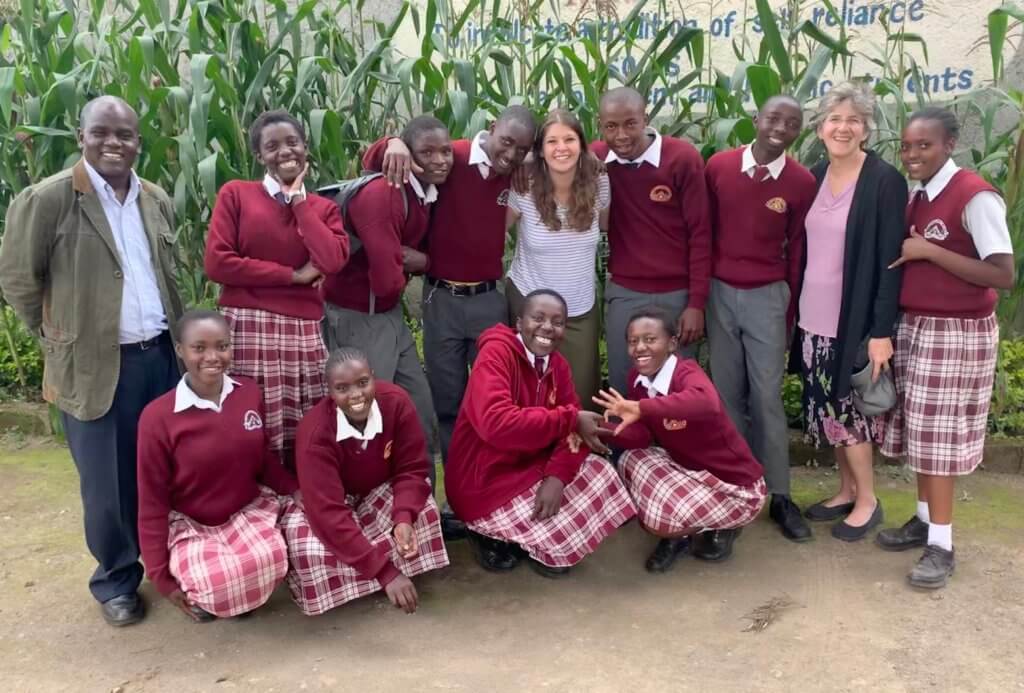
pixel 852 623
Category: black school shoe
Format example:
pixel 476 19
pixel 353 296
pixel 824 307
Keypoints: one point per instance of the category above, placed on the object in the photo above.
pixel 786 514
pixel 845 532
pixel 452 528
pixel 492 555
pixel 666 553
pixel 935 566
pixel 123 610
pixel 819 512
pixel 203 616
pixel 546 570
pixel 715 545
pixel 913 533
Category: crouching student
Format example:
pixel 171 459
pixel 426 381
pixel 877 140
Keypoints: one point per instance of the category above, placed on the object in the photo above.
pixel 686 467
pixel 519 470
pixel 367 520
pixel 207 519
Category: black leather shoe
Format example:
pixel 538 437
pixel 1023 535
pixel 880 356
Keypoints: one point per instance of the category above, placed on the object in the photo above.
pixel 492 555
pixel 819 512
pixel 846 532
pixel 123 610
pixel 786 514
pixel 452 528
pixel 201 615
pixel 715 545
pixel 913 533
pixel 665 554
pixel 546 570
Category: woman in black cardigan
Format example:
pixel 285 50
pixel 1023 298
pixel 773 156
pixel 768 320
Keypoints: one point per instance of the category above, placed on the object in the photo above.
pixel 849 299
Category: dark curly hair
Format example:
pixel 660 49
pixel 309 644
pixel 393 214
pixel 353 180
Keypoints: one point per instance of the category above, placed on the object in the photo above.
pixel 269 118
pixel 583 197
pixel 943 116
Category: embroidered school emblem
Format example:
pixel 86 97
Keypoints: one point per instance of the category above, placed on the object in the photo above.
pixel 936 230
pixel 673 424
pixel 551 397
pixel 776 204
pixel 503 198
pixel 251 421
pixel 661 193
pixel 387 449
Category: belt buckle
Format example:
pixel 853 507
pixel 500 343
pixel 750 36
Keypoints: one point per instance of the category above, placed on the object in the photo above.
pixel 145 344
pixel 452 288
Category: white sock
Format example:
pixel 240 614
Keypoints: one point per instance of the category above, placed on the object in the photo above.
pixel 941 536
pixel 922 510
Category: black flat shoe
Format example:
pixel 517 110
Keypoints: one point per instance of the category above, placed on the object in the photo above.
pixel 123 610
pixel 665 554
pixel 913 533
pixel 846 532
pixel 786 514
pixel 546 570
pixel 715 545
pixel 492 555
pixel 201 615
pixel 819 512
pixel 452 528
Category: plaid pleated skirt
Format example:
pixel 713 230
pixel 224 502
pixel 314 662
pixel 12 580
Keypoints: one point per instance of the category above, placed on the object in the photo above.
pixel 286 356
pixel 594 504
pixel 944 369
pixel 319 582
pixel 233 568
pixel 671 499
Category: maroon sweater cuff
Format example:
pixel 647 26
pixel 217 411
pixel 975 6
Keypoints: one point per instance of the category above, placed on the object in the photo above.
pixel 164 582
pixel 400 516
pixel 695 300
pixel 388 573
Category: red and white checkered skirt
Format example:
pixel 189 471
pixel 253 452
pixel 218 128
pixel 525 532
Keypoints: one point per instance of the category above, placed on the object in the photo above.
pixel 233 568
pixel 671 499
pixel 286 356
pixel 319 582
pixel 594 504
pixel 943 368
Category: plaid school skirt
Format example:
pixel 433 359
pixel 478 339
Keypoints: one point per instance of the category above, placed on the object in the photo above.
pixel 671 499
pixel 233 568
pixel 286 356
pixel 943 368
pixel 594 504
pixel 319 582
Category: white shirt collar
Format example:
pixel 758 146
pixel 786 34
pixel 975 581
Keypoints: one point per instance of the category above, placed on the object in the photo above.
pixel 662 381
pixel 749 165
pixel 272 187
pixel 478 157
pixel 185 397
pixel 427 195
pixel 374 425
pixel 102 187
pixel 651 155
pixel 532 356
pixel 938 182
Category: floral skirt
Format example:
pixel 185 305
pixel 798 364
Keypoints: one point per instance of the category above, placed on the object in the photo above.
pixel 828 423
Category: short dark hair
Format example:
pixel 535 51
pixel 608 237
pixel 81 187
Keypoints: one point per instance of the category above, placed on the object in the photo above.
pixel 195 315
pixel 269 118
pixel 543 292
pixel 653 313
pixel 624 95
pixel 419 125
pixel 520 115
pixel 106 99
pixel 943 116
pixel 343 355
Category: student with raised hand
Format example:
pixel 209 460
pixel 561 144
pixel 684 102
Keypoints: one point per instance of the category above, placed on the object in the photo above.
pixel 686 467
pixel 364 300
pixel 659 236
pixel 560 219
pixel 367 520
pixel 269 245
pixel 87 262
pixel 520 472
pixel 759 198
pixel 208 483
pixel 956 254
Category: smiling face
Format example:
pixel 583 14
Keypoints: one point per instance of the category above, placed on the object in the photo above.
pixel 205 349
pixel 843 131
pixel 649 345
pixel 351 385
pixel 282 151
pixel 624 127
pixel 560 148
pixel 109 140
pixel 507 145
pixel 924 148
pixel 432 151
pixel 542 324
pixel 778 126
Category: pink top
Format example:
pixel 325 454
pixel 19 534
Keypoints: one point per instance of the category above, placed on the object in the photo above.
pixel 822 294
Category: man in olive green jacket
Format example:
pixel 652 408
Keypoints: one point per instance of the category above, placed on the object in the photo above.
pixel 87 264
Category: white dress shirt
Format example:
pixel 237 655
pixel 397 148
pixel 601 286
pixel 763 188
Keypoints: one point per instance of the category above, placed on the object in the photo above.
pixel 532 356
pixel 185 397
pixel 273 188
pixel 478 157
pixel 749 164
pixel 651 155
pixel 374 425
pixel 662 380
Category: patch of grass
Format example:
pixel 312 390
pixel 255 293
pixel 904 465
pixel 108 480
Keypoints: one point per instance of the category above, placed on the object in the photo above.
pixel 42 476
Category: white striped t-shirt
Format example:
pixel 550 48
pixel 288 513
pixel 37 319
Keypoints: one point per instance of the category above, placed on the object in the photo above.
pixel 563 260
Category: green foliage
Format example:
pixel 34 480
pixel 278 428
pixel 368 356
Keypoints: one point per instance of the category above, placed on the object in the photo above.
pixel 21 364
pixel 1007 414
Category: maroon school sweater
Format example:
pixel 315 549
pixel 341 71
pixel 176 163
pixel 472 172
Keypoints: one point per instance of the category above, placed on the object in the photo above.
pixel 692 426
pixel 329 471
pixel 659 233
pixel 203 464
pixel 757 225
pixel 255 243
pixel 378 216
pixel 466 236
pixel 928 289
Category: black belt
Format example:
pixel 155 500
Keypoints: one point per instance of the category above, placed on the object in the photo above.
pixel 463 289
pixel 161 338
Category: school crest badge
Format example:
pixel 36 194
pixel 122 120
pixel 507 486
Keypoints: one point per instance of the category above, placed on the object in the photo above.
pixel 936 230
pixel 387 450
pixel 251 421
pixel 503 198
pixel 552 399
pixel 673 424
pixel 776 204
pixel 661 193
